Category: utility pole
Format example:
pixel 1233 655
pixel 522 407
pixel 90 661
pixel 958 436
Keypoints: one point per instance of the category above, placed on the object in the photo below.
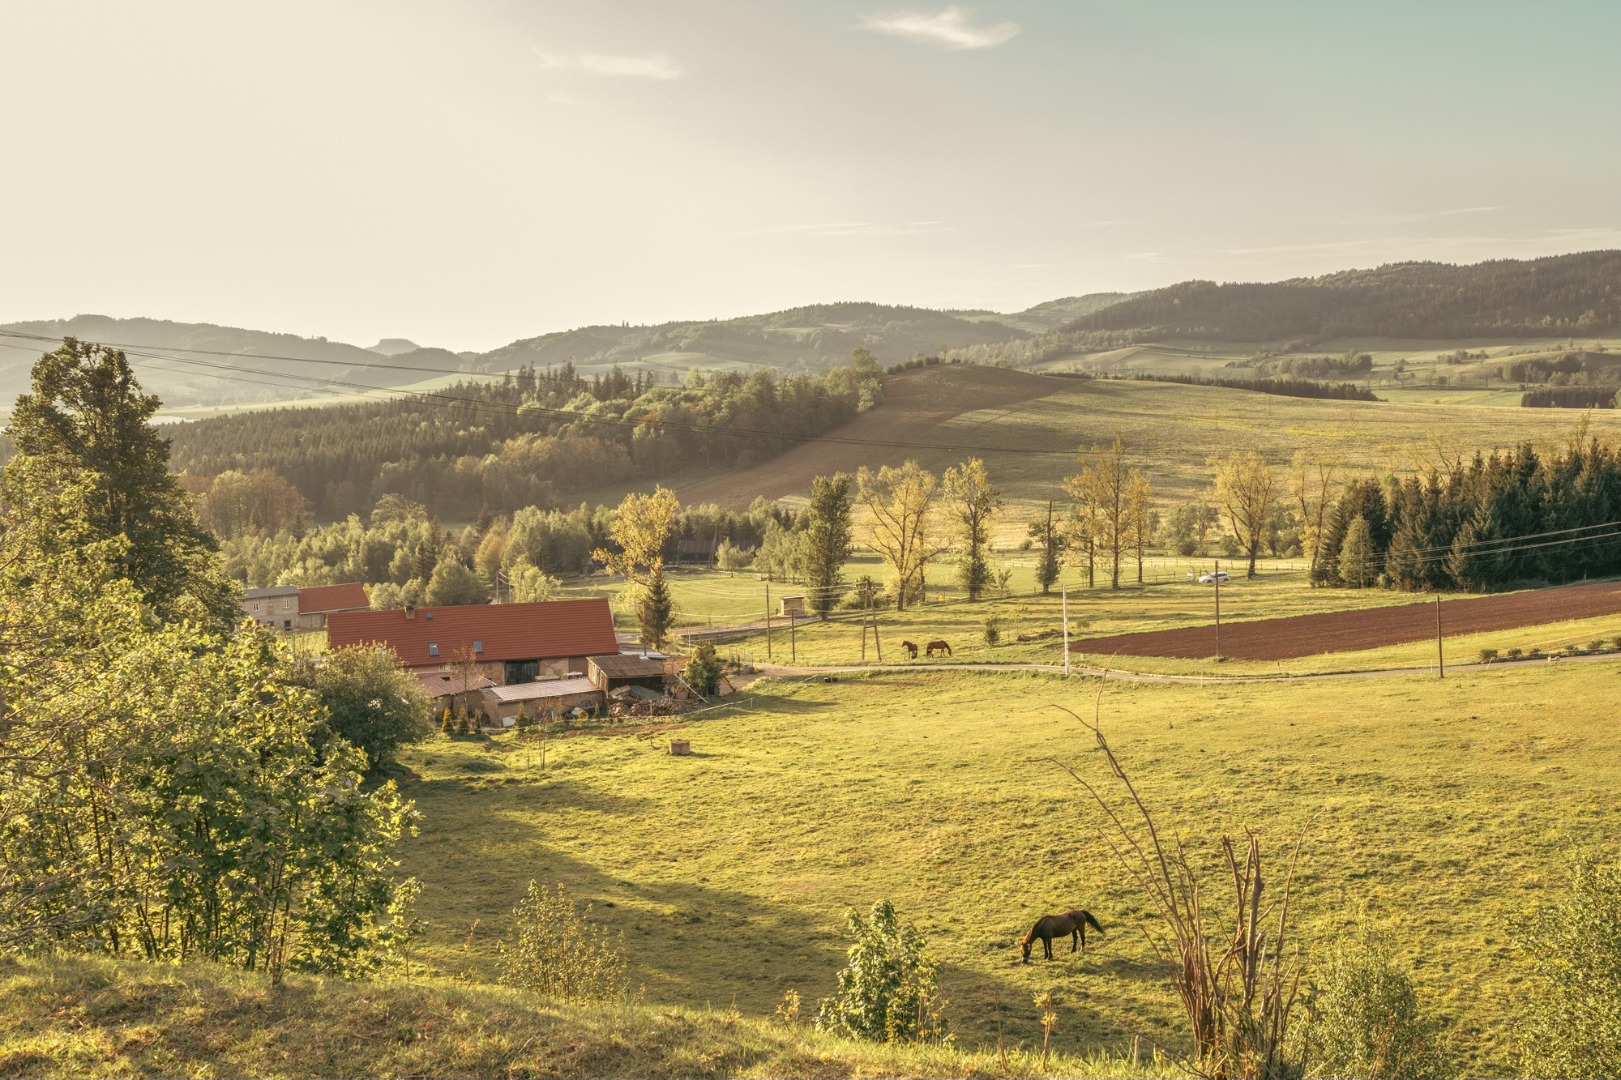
pixel 1215 580
pixel 768 619
pixel 793 639
pixel 1440 656
pixel 1063 594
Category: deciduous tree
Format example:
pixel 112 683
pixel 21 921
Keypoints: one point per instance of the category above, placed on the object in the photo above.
pixel 970 502
pixel 1246 489
pixel 897 506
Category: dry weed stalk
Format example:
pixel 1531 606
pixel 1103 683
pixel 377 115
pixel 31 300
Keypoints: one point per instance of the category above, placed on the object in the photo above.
pixel 1238 988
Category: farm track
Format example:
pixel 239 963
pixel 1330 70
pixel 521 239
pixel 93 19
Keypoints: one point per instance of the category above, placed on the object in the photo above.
pixel 1352 631
pixel 787 671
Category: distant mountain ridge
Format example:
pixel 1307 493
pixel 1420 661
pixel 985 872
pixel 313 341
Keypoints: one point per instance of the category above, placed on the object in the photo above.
pixel 1552 297
pixel 1560 295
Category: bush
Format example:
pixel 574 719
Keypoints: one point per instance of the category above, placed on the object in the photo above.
pixel 1488 655
pixel 1596 645
pixel 1366 1019
pixel 1514 654
pixel 993 629
pixel 888 992
pixel 731 557
pixel 552 948
pixel 1574 1016
pixel 703 670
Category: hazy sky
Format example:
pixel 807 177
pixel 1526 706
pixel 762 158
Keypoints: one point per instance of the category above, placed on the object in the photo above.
pixel 466 173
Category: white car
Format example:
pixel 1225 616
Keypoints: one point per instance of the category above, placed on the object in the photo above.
pixel 1211 579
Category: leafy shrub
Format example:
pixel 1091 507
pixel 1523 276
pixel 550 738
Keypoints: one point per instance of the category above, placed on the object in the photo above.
pixel 1596 645
pixel 703 670
pixel 888 992
pixel 730 556
pixel 1488 655
pixel 1573 1018
pixel 1366 1019
pixel 1514 654
pixel 554 949
pixel 993 629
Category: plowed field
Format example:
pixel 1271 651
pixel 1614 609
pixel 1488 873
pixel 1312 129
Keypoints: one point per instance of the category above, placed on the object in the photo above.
pixel 1373 628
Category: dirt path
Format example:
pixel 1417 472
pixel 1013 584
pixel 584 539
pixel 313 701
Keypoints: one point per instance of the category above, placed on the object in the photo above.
pixel 785 671
pixel 915 403
pixel 1351 631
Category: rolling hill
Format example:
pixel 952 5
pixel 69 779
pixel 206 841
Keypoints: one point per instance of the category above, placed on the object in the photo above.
pixel 200 363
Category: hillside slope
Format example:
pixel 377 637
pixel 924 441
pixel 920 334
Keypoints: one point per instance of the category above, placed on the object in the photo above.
pixel 1028 427
pixel 101 1018
pixel 193 362
pixel 916 402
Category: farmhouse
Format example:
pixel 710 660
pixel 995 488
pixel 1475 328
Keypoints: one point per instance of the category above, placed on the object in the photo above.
pixel 507 644
pixel 276 609
pixel 288 608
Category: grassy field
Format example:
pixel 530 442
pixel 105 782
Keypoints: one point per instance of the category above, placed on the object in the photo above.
pixel 65 1017
pixel 1170 431
pixel 1446 806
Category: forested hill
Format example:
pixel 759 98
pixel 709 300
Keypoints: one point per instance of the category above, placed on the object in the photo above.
pixel 809 339
pixel 200 363
pixel 1555 296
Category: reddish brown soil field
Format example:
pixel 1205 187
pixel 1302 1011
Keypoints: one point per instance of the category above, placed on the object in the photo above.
pixel 1349 631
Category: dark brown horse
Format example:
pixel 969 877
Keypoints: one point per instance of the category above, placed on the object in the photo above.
pixel 937 646
pixel 911 650
pixel 1072 922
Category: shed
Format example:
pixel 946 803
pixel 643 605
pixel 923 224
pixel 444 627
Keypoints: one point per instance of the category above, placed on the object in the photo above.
pixel 550 696
pixel 794 607
pixel 449 689
pixel 610 672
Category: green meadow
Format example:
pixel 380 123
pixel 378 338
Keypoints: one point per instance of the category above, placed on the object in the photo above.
pixel 1446 808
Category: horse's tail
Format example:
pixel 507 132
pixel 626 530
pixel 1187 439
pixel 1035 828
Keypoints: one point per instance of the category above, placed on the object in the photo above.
pixel 1087 915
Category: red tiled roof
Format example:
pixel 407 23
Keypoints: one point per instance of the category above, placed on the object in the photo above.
pixel 543 631
pixel 332 598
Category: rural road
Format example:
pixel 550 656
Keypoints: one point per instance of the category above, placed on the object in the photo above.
pixel 801 671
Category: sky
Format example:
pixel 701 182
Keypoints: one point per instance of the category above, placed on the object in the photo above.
pixel 466 174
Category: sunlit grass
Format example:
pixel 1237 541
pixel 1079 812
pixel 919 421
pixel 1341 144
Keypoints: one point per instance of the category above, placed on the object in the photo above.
pixel 1447 806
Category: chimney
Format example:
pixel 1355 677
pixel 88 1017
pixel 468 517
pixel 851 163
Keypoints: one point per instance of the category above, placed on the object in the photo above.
pixel 410 611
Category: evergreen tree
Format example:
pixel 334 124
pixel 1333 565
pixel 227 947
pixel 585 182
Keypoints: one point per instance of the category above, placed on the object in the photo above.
pixel 1357 565
pixel 827 540
pixel 1051 542
pixel 86 426
pixel 655 610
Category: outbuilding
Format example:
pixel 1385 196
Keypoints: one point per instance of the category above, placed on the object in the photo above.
pixel 549 697
pixel 610 672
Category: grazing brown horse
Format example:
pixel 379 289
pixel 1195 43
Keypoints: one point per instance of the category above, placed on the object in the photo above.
pixel 911 650
pixel 937 646
pixel 1072 922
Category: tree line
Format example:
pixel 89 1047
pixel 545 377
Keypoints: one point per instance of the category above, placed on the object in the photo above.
pixel 535 438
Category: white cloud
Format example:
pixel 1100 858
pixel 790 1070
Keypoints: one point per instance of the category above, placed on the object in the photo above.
pixel 651 66
pixel 949 29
